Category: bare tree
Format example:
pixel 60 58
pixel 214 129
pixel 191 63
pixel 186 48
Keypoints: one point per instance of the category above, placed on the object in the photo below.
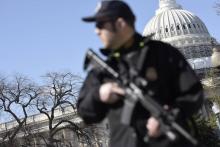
pixel 16 96
pixel 59 92
pixel 55 101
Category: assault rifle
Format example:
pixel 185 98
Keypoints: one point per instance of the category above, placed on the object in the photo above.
pixel 133 94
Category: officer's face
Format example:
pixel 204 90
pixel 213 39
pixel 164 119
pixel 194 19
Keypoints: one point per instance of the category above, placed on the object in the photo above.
pixel 108 33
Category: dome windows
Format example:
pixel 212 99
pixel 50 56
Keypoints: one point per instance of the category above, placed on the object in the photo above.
pixel 175 22
pixel 194 26
pixel 189 26
pixel 184 26
pixel 185 31
pixel 171 28
pixel 178 27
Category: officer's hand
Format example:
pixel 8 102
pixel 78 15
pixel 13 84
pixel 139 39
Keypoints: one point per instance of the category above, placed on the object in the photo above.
pixel 153 127
pixel 108 92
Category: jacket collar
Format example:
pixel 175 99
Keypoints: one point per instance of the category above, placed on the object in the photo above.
pixel 110 52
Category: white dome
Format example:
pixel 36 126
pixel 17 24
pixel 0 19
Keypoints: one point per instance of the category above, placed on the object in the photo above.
pixel 175 22
pixel 180 28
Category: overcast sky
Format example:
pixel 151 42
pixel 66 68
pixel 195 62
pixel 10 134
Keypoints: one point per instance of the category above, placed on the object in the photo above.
pixel 38 36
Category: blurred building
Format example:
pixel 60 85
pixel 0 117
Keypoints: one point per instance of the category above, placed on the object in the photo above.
pixel 187 32
pixel 35 132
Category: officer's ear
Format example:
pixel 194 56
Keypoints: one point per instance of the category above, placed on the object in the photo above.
pixel 120 23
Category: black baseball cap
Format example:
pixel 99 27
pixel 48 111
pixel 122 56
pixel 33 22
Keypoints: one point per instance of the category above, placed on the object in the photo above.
pixel 110 9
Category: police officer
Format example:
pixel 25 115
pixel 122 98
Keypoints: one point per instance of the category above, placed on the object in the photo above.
pixel 171 81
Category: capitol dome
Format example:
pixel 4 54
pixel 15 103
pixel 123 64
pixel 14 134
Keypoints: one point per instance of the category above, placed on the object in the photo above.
pixel 182 29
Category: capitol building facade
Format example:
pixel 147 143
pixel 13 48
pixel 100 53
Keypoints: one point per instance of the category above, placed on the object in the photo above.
pixel 187 32
pixel 184 30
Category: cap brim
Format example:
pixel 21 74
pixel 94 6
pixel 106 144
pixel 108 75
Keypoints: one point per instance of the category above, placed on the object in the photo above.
pixel 97 17
pixel 89 19
pixel 100 17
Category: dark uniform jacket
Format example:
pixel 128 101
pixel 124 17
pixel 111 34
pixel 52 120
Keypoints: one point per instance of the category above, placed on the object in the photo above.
pixel 171 81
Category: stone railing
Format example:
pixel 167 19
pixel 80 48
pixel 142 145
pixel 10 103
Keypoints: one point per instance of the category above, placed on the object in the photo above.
pixel 40 118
